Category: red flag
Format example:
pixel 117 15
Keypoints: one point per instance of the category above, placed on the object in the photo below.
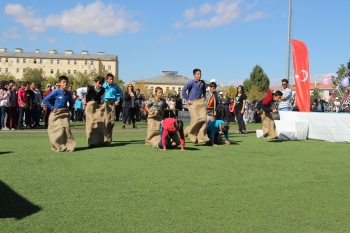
pixel 301 75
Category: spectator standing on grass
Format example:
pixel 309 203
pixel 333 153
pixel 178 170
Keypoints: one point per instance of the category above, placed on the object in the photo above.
pixel 231 111
pixel 36 105
pixel 284 104
pixel 240 103
pixel 28 112
pixel 13 107
pixel 22 104
pixel 47 110
pixel 79 109
pixel 138 102
pixel 5 106
pixel 224 103
pixel 129 99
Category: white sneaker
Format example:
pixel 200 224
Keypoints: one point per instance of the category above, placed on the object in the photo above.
pixel 5 128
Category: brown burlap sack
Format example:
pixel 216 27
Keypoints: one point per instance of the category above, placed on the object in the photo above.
pixel 197 131
pixel 60 135
pixel 153 135
pixel 269 128
pixel 99 123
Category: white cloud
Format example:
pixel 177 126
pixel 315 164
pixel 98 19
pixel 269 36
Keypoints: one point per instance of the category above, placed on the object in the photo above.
pixel 224 13
pixel 25 17
pixel 189 14
pixel 205 9
pixel 177 24
pixel 11 33
pixel 105 20
pixel 170 38
pixel 252 5
pixel 50 39
pixel 256 15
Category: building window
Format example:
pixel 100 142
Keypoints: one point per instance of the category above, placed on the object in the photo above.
pixel 58 62
pixel 34 61
pixel 24 70
pixel 92 63
pixel 0 70
pixel 68 71
pixel 68 62
pixel 58 71
pixel 6 60
pixel 109 68
pixel 51 62
pixel 24 60
pixel 104 67
pixel 17 70
pixel 85 71
pixel 17 60
pixel 152 89
pixel 167 88
pixel 178 90
pixel 173 89
pixel 6 70
pixel 51 71
pixel 85 62
pixel 75 72
pixel 75 62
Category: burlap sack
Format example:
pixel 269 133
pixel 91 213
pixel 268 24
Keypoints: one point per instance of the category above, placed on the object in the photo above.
pixel 60 135
pixel 269 128
pixel 153 135
pixel 99 123
pixel 197 131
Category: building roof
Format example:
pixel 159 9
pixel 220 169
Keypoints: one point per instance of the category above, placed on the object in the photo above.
pixel 55 55
pixel 312 86
pixel 168 77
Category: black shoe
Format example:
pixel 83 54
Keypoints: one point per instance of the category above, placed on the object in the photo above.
pixel 134 126
pixel 123 126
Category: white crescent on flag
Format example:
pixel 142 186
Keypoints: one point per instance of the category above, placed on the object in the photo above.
pixel 306 75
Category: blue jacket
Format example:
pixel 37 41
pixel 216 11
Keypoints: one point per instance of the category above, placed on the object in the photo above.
pixel 214 127
pixel 60 99
pixel 78 104
pixel 195 91
pixel 113 91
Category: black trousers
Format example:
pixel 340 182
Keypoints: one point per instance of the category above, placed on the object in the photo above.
pixel 224 114
pixel 131 112
pixel 241 123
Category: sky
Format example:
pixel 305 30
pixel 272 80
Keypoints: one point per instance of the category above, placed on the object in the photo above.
pixel 224 38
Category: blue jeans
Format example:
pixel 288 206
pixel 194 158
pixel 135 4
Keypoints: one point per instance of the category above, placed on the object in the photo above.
pixel 20 117
pixel 284 109
pixel 8 112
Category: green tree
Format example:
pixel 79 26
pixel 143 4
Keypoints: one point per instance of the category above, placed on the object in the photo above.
pixel 6 76
pixel 315 94
pixel 257 78
pixel 231 91
pixel 255 93
pixel 34 75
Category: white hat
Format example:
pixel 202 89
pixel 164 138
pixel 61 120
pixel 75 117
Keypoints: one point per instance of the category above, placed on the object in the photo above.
pixel 336 98
pixel 213 80
pixel 220 93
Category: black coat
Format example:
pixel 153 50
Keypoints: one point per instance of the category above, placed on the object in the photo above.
pixel 127 99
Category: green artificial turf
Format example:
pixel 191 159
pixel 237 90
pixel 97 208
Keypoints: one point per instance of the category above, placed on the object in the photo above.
pixel 252 185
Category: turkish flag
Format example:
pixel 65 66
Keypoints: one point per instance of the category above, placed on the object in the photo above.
pixel 301 75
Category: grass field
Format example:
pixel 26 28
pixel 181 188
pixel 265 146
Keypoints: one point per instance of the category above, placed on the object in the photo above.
pixel 252 185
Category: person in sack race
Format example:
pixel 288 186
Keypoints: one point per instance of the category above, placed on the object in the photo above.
pixel 154 106
pixel 169 129
pixel 265 108
pixel 59 131
pixel 194 92
pixel 213 131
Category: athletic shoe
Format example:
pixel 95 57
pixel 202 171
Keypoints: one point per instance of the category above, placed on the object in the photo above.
pixel 244 132
pixel 123 126
pixel 4 128
pixel 134 126
pixel 238 132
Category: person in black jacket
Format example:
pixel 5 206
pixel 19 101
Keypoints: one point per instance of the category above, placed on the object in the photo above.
pixel 129 100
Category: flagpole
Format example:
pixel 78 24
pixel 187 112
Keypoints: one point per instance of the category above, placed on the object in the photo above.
pixel 288 39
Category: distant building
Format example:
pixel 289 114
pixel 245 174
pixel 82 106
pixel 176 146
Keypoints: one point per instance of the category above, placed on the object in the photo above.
pixel 171 80
pixel 51 63
pixel 324 90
